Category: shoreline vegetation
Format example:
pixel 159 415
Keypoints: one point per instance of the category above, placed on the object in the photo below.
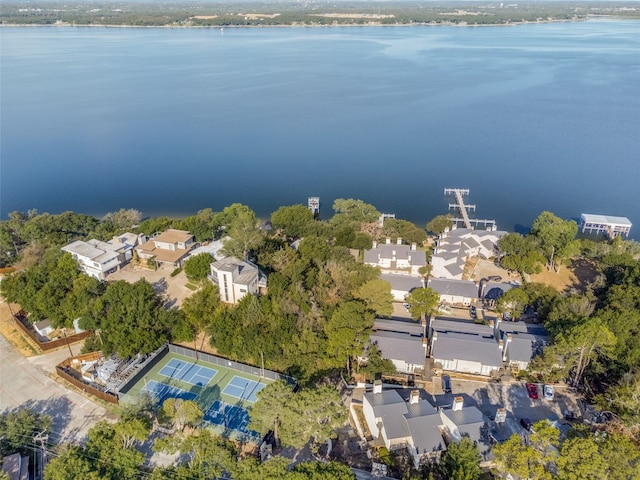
pixel 310 14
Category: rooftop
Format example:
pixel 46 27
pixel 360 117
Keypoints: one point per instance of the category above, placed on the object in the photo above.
pixel 605 219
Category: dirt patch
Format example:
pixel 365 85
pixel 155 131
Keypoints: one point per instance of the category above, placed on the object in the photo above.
pixel 13 334
pixel 576 276
pixel 478 268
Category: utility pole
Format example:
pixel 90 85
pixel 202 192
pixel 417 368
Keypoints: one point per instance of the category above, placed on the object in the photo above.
pixel 42 438
pixel 64 332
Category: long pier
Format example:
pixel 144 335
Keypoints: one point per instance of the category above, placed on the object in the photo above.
pixel 464 210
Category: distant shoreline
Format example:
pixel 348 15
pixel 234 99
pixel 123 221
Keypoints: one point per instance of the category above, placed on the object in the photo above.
pixel 347 25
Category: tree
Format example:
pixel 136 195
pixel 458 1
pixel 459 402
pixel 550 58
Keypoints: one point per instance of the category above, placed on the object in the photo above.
pixel 323 471
pixel 347 332
pixel 376 294
pixel 182 412
pixel 268 413
pixel 295 418
pixel 132 320
pixel 18 427
pixel 198 266
pixel 354 211
pixel 200 309
pixel 423 302
pixel 376 365
pixel 581 344
pixel 396 228
pixel 243 230
pixel 461 461
pixel 295 221
pixel 513 301
pixel 580 460
pixel 557 238
pixel 520 254
pixel 439 224
pixel 517 458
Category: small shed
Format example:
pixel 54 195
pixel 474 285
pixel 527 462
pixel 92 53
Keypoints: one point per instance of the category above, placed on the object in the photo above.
pixel 43 327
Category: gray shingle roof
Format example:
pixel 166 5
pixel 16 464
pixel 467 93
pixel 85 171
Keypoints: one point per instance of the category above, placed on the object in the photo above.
pixel 404 283
pixel 426 434
pixel 462 288
pixel 463 326
pixel 383 324
pixel 467 346
pixel 400 346
pixel 402 252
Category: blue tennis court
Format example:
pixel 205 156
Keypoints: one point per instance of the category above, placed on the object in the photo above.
pixel 239 387
pixel 188 372
pixel 163 391
pixel 229 416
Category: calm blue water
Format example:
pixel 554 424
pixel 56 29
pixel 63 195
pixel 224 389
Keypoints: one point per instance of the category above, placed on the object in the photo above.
pixel 530 118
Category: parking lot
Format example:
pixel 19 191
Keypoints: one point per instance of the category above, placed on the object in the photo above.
pixel 512 396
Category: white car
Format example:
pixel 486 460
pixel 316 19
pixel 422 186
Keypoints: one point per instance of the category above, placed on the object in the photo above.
pixel 547 392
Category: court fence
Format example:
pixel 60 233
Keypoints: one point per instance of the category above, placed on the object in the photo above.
pixel 224 362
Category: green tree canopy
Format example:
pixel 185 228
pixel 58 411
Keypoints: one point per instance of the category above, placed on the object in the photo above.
pixel 348 331
pixel 461 461
pixel 295 221
pixel 132 320
pixel 376 294
pixel 423 302
pixel 354 211
pixel 439 224
pixel 557 238
pixel 521 254
pixel 198 266
pixel 296 418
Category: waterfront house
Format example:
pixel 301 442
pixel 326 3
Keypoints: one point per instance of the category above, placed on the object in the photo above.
pixel 454 247
pixel 396 257
pixel 169 248
pixel 97 258
pixel 236 278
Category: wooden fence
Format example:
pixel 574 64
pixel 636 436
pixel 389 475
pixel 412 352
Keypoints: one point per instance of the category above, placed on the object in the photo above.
pixel 52 344
pixel 65 371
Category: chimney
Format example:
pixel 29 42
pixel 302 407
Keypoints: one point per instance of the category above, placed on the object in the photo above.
pixel 399 241
pixel 414 397
pixel 506 344
pixel 388 241
pixel 414 246
pixel 491 324
pixel 458 403
pixel 501 345
pixel 377 386
pixel 375 245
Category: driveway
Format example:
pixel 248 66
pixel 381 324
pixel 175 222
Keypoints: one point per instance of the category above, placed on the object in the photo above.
pixel 172 289
pixel 25 384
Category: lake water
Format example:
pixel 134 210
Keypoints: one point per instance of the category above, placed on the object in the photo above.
pixel 170 121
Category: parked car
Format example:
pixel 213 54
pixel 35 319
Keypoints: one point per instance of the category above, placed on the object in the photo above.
pixel 473 312
pixel 547 392
pixel 446 384
pixel 526 424
pixel 532 390
pixel 406 306
pixel 495 278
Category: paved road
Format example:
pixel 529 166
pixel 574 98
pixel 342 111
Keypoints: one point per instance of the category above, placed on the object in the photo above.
pixel 24 383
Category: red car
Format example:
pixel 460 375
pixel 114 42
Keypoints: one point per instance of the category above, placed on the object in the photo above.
pixel 532 390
